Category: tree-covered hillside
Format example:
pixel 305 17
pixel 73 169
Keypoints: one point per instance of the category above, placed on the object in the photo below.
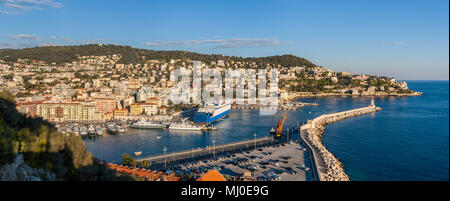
pixel 67 54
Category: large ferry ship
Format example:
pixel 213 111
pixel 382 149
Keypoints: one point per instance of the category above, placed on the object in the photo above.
pixel 211 113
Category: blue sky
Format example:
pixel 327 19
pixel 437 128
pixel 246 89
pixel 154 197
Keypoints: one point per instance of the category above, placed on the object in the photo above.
pixel 402 39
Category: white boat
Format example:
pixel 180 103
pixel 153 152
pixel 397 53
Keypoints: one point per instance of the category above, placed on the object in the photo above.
pixel 83 131
pixel 91 130
pixel 158 137
pixel 120 129
pixel 185 126
pixel 112 129
pixel 99 130
pixel 146 124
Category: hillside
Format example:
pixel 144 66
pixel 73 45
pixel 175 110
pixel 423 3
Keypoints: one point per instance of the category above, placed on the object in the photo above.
pixel 67 54
pixel 43 148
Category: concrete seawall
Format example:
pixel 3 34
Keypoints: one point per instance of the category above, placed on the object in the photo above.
pixel 328 167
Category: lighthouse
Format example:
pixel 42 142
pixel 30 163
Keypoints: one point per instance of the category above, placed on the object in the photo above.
pixel 372 103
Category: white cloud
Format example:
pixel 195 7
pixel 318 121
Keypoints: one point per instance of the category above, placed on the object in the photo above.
pixel 19 41
pixel 16 7
pixel 25 37
pixel 222 43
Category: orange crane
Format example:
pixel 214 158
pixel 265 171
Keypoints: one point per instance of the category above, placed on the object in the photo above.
pixel 280 126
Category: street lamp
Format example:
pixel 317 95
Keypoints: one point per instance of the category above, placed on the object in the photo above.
pixel 165 157
pixel 255 140
pixel 214 151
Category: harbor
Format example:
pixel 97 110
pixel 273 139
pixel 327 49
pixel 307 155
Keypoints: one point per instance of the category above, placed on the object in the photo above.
pixel 241 125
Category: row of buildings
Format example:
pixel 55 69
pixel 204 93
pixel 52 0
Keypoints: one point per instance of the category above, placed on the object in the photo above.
pixel 97 110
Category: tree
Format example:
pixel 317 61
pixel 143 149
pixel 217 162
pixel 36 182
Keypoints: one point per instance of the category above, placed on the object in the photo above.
pixel 144 164
pixel 6 95
pixel 128 160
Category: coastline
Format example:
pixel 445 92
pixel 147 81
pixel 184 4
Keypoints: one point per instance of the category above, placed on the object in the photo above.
pixel 294 96
pixel 328 167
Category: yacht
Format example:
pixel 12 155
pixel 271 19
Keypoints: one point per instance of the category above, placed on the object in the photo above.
pixel 91 130
pixel 111 129
pixel 83 131
pixel 146 124
pixel 120 129
pixel 99 130
pixel 185 126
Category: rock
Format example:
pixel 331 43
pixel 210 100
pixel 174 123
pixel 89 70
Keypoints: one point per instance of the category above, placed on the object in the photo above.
pixel 20 171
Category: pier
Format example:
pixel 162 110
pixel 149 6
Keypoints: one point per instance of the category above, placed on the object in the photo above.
pixel 326 166
pixel 208 152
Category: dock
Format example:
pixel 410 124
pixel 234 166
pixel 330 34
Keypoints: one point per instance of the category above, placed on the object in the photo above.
pixel 325 165
pixel 208 152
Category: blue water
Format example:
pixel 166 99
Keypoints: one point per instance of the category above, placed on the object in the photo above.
pixel 408 140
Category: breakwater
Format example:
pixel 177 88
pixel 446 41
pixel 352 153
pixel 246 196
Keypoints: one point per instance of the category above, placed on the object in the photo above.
pixel 328 167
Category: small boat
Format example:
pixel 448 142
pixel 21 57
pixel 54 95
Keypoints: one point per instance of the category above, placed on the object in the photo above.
pixel 120 129
pixel 99 130
pixel 272 131
pixel 83 131
pixel 111 129
pixel 91 130
pixel 158 137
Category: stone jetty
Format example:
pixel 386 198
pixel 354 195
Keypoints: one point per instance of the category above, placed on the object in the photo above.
pixel 327 166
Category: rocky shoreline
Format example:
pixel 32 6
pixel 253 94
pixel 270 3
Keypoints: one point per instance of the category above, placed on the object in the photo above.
pixel 377 94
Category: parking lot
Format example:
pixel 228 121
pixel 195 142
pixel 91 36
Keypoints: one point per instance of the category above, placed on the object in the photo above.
pixel 283 162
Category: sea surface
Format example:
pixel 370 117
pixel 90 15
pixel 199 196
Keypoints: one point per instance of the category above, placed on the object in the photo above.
pixel 407 140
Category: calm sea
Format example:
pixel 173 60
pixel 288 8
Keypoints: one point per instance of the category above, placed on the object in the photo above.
pixel 408 140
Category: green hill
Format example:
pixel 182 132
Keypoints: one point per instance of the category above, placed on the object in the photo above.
pixel 67 54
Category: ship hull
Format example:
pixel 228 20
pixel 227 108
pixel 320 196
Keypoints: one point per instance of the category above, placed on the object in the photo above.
pixel 203 118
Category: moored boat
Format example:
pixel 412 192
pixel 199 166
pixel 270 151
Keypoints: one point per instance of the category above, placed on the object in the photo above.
pixel 83 131
pixel 99 130
pixel 112 129
pixel 185 126
pixel 120 129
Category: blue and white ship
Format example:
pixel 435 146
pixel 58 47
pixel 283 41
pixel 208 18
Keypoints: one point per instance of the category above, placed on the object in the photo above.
pixel 211 113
